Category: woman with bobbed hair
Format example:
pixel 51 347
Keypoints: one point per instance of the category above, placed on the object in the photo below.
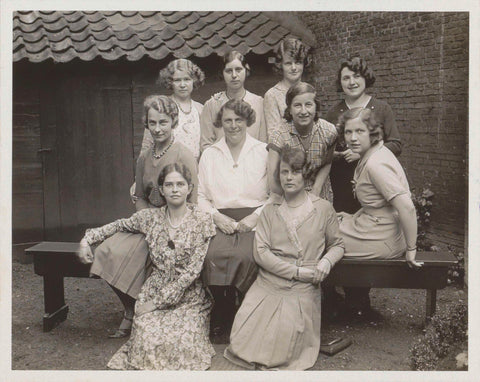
pixel 292 58
pixel 303 128
pixel 122 260
pixel 386 224
pixel 235 70
pixel 354 77
pixel 297 243
pixel 233 188
pixel 182 76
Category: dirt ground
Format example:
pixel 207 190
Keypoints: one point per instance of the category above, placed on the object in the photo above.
pixel 81 343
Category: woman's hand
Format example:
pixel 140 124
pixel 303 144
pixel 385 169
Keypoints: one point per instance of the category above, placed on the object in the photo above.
pixel 324 267
pixel 410 257
pixel 84 253
pixel 350 156
pixel 224 223
pixel 144 307
pixel 247 223
pixel 337 155
pixel 305 274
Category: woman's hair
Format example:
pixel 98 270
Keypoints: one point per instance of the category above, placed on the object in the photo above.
pixel 367 116
pixel 165 77
pixel 240 108
pixel 357 65
pixel 161 104
pixel 293 48
pixel 294 157
pixel 175 167
pixel 298 89
pixel 231 56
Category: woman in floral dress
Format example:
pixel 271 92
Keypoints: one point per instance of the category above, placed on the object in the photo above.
pixel 171 321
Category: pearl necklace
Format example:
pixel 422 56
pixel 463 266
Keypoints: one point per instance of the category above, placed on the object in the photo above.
pixel 170 222
pixel 162 153
pixel 180 106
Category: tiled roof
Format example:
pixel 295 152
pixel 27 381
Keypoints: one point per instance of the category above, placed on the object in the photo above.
pixel 63 36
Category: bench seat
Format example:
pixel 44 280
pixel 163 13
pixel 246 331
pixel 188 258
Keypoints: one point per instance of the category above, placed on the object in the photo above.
pixel 56 260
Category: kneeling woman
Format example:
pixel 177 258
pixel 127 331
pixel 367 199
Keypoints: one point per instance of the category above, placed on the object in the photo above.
pixel 170 325
pixel 386 224
pixel 296 245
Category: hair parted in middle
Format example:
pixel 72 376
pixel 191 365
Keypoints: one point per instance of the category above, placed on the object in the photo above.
pixel 240 108
pixel 293 48
pixel 162 104
pixel 234 55
pixel 367 116
pixel 298 89
pixel 165 76
pixel 357 65
pixel 179 167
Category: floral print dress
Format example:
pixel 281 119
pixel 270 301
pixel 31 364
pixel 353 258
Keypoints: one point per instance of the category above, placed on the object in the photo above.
pixel 175 335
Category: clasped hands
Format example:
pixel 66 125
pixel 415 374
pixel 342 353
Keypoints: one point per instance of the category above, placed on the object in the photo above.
pixel 316 275
pixel 229 226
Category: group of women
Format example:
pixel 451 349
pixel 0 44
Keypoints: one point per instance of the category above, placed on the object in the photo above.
pixel 234 207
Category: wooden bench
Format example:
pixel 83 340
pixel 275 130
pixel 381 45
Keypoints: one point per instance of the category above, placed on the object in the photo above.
pixel 56 260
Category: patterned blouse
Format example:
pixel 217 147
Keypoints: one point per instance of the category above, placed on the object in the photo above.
pixel 319 153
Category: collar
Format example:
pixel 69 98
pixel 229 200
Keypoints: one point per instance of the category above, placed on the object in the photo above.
pixel 248 145
pixel 293 131
pixel 363 161
pixel 279 199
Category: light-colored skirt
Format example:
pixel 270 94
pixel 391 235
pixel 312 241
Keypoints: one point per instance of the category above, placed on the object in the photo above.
pixel 123 261
pixel 277 326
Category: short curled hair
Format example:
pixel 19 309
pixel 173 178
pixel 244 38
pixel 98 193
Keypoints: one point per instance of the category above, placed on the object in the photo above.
pixel 367 116
pixel 293 48
pixel 234 55
pixel 176 167
pixel 298 89
pixel 294 157
pixel 240 108
pixel 165 77
pixel 357 65
pixel 161 104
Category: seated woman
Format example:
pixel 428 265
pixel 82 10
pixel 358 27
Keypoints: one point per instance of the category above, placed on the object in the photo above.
pixel 386 224
pixel 170 326
pixel 122 260
pixel 233 188
pixel 291 59
pixel 304 129
pixel 182 76
pixel 297 243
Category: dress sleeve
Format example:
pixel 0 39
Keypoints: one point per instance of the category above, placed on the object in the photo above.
pixel 173 292
pixel 205 202
pixel 262 126
pixel 331 141
pixel 392 136
pixel 262 253
pixel 276 141
pixel 386 180
pixel 133 224
pixel 139 172
pixel 333 237
pixel 207 129
pixel 188 160
pixel 272 117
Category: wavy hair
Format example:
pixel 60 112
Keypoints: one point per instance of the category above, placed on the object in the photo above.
pixel 240 108
pixel 162 104
pixel 298 89
pixel 367 116
pixel 165 77
pixel 357 65
pixel 293 48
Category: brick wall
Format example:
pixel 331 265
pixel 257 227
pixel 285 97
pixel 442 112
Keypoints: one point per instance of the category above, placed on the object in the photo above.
pixel 421 64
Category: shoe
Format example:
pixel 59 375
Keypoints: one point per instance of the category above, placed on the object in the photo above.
pixel 124 329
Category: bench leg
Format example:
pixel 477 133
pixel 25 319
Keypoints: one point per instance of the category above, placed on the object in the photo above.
pixel 431 303
pixel 55 309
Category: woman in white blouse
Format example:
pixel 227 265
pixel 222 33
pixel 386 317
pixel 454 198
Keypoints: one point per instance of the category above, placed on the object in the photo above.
pixel 233 187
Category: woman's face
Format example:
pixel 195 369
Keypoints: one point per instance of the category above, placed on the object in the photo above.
pixel 160 126
pixel 357 136
pixel 292 181
pixel 175 189
pixel 292 70
pixel 303 110
pixel 234 75
pixel 234 127
pixel 353 84
pixel 182 84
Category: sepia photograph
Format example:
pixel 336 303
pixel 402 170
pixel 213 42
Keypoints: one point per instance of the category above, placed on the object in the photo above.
pixel 224 188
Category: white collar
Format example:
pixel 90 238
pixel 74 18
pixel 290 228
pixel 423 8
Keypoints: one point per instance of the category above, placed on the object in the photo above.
pixel 248 145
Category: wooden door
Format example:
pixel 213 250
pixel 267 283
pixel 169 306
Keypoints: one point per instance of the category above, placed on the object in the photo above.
pixel 91 167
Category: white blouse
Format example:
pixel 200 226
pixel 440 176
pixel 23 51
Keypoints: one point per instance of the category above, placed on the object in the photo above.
pixel 224 183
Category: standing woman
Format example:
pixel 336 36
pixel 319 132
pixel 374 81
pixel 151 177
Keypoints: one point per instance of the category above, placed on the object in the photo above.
pixel 122 260
pixel 354 77
pixel 291 60
pixel 170 326
pixel 235 71
pixel 304 129
pixel 182 76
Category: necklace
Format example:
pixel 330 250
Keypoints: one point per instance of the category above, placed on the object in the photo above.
pixel 180 106
pixel 301 204
pixel 162 153
pixel 170 222
pixel 305 136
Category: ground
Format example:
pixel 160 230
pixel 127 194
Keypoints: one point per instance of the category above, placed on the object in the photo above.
pixel 81 343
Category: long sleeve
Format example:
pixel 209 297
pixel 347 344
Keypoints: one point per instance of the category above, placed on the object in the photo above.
pixel 392 137
pixel 132 224
pixel 262 128
pixel 334 246
pixel 262 253
pixel 142 201
pixel 173 292
pixel 147 141
pixel 273 119
pixel 205 202
pixel 207 129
